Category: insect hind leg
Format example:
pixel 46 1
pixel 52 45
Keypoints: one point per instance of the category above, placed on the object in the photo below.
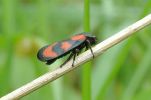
pixel 76 53
pixel 70 56
pixel 50 61
pixel 73 54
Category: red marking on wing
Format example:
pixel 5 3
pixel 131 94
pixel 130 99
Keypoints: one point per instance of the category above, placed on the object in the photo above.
pixel 65 46
pixel 48 52
pixel 78 37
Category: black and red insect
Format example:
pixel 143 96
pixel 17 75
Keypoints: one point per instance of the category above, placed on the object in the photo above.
pixel 74 46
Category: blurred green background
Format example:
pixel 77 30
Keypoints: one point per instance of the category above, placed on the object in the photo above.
pixel 121 73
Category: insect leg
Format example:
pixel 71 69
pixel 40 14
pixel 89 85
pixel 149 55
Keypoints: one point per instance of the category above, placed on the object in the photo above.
pixel 73 59
pixel 71 55
pixel 88 45
pixel 50 61
pixel 76 52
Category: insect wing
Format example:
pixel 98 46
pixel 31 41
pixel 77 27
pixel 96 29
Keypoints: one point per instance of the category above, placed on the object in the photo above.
pixel 47 53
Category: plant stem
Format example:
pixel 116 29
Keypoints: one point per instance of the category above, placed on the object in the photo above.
pixel 86 72
pixel 84 57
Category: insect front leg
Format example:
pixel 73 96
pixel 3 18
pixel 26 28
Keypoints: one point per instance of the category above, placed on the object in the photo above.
pixel 88 45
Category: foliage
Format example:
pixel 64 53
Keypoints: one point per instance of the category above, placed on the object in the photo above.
pixel 121 73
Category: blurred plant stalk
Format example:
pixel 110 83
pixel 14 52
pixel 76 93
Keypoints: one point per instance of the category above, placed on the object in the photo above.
pixel 84 57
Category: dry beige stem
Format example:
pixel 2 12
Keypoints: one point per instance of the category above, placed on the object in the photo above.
pixel 98 49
